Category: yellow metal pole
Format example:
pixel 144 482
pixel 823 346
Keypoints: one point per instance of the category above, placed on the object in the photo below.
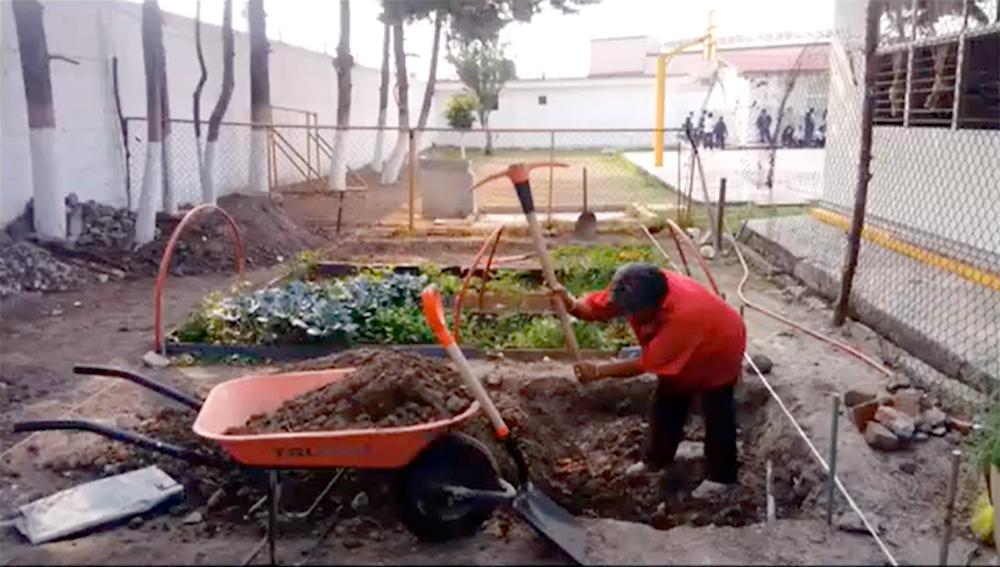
pixel 661 93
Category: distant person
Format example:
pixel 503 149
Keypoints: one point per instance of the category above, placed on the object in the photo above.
pixel 707 136
pixel 809 129
pixel 720 134
pixel 788 137
pixel 689 125
pixel 764 127
pixel 699 129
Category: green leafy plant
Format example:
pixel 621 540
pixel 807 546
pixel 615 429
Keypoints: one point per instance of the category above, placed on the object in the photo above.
pixel 460 110
pixel 985 445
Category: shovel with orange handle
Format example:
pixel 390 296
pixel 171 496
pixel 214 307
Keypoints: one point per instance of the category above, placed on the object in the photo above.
pixel 546 515
pixel 518 174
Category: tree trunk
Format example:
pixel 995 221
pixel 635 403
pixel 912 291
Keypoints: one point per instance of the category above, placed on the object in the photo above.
pixel 169 199
pixel 391 172
pixel 208 194
pixel 425 108
pixel 484 119
pixel 49 206
pixel 383 103
pixel 152 177
pixel 337 180
pixel 260 95
pixel 196 98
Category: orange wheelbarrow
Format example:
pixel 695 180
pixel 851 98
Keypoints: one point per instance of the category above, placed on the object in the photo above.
pixel 427 456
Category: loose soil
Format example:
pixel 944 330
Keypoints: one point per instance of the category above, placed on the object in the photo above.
pixel 388 388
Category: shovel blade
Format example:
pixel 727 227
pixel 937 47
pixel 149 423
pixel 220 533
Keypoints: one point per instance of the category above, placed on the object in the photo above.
pixel 553 521
pixel 586 226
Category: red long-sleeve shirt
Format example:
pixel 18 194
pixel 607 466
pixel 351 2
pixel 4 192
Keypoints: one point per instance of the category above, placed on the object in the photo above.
pixel 696 340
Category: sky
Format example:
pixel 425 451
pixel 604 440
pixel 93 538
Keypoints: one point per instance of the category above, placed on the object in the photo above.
pixel 551 45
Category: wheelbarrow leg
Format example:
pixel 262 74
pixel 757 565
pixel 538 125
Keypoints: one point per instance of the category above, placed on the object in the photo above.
pixel 272 511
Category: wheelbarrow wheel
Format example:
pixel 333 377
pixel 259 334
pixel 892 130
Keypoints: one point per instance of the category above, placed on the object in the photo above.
pixel 429 512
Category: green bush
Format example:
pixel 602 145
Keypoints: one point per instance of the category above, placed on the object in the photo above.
pixel 460 110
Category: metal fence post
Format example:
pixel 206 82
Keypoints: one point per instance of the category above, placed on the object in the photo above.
pixel 412 174
pixel 552 158
pixel 864 161
pixel 720 215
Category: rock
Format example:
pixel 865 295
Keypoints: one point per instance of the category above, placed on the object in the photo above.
pixel 851 522
pixel 195 517
pixel 155 360
pixel 103 278
pixel 855 397
pixel 908 467
pixel 898 382
pixel 352 543
pixel 814 303
pixel 494 379
pixel 57 312
pixel 961 425
pixel 455 404
pixel 931 419
pixel 762 362
pixel 707 251
pixel 879 437
pixel 921 436
pixel 215 498
pixel 136 523
pixel 360 500
pixel 908 401
pixel 180 509
pixel 896 421
pixel 939 431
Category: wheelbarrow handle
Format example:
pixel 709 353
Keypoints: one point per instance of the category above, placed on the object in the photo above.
pixel 130 437
pixel 189 400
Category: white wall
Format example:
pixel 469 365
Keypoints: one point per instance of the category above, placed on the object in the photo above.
pixel 88 140
pixel 586 103
pixel 945 182
pixel 623 55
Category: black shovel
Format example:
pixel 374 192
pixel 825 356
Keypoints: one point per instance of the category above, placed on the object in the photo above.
pixel 586 224
pixel 544 514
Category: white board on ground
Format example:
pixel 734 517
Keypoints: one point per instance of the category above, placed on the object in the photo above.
pixel 95 503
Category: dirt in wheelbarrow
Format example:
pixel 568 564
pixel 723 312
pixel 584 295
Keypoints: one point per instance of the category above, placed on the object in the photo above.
pixel 389 388
pixel 580 440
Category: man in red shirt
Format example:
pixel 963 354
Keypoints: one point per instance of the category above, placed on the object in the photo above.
pixel 693 341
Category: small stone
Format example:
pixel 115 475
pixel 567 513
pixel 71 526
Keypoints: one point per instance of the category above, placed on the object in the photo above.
pixel 920 436
pixel 939 431
pixel 57 312
pixel 690 451
pixel 908 467
pixel 896 421
pixel 931 418
pixel 455 404
pixel 707 251
pixel 898 382
pixel 494 379
pixel 880 438
pixel 855 397
pixel 360 500
pixel 851 522
pixel 215 498
pixel 762 362
pixel 112 469
pixel 136 523
pixel 103 278
pixel 77 304
pixel 195 517
pixel 155 360
pixel 352 543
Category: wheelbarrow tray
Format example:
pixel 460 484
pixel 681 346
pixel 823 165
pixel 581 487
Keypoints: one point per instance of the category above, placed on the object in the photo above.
pixel 232 403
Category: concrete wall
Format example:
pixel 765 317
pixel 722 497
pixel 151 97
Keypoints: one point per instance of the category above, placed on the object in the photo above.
pixel 937 180
pixel 586 103
pixel 88 139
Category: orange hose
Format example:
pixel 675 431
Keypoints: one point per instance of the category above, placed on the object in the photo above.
pixel 676 231
pixel 168 252
pixel 456 319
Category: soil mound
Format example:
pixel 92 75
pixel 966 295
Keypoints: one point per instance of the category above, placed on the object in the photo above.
pixel 389 388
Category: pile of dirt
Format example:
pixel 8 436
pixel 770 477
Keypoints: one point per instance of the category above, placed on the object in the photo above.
pixel 389 388
pixel 269 237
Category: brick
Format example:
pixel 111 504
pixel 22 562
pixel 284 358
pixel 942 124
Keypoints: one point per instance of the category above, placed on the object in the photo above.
pixel 896 421
pixel 880 438
pixel 855 397
pixel 861 414
pixel 908 401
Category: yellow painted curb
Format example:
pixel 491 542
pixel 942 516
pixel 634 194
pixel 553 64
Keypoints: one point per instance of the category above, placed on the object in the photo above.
pixel 888 240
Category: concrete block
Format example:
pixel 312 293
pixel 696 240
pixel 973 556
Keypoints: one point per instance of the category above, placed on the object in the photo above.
pixel 908 401
pixel 862 414
pixel 855 397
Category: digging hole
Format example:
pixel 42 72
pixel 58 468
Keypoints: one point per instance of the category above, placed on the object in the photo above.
pixel 581 440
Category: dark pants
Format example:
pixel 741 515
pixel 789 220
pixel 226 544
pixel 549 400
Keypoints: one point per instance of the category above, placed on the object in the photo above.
pixel 670 412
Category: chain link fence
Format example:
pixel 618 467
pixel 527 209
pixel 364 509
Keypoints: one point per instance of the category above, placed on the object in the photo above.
pixel 928 269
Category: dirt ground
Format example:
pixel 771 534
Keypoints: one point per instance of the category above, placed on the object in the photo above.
pixel 575 439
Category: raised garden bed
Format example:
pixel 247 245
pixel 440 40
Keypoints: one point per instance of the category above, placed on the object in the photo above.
pixel 379 305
